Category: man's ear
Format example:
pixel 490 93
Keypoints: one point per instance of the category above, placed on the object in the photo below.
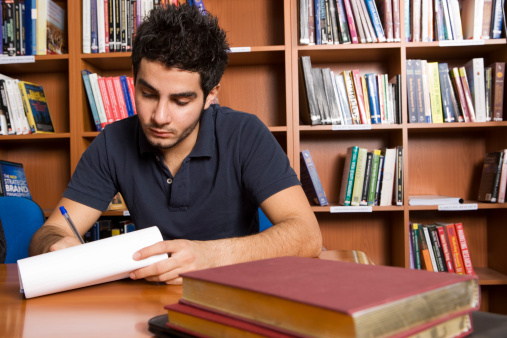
pixel 211 96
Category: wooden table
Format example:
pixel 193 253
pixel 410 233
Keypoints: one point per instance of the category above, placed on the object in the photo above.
pixel 116 309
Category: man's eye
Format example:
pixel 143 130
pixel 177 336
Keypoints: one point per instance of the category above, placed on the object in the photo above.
pixel 148 95
pixel 181 103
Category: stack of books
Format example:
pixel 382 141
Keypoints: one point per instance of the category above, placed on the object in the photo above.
pixel 111 98
pixel 348 98
pixel 438 93
pixel 439 247
pixel 294 296
pixel 348 21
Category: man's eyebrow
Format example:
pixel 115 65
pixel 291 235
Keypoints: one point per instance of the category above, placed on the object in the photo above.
pixel 189 94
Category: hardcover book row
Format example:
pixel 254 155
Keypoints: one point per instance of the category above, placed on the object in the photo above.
pixel 23 108
pixel 370 178
pixel 110 25
pixel 439 247
pixel 348 98
pixel 437 93
pixel 493 183
pixel 348 21
pixel 110 98
pixel 32 27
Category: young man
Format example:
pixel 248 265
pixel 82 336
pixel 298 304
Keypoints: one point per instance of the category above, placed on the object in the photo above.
pixel 195 169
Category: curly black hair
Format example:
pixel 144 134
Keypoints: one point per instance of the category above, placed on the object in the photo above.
pixel 183 37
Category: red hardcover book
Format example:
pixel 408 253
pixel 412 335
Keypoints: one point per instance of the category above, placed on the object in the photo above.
pixel 311 296
pixel 195 321
pixel 105 99
pixel 445 247
pixel 112 98
pixel 465 252
pixel 457 259
pixel 119 97
pixel 350 20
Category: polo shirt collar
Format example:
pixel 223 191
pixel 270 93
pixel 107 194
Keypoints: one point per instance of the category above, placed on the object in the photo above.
pixel 205 145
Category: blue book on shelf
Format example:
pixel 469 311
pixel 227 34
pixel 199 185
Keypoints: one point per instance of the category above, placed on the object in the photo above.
pixel 310 180
pixel 91 99
pixel 318 36
pixel 371 82
pixel 375 18
pixel 31 27
pixel 497 19
pixel 94 32
pixel 126 95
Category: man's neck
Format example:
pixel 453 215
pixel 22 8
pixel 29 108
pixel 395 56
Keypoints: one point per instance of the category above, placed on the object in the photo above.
pixel 174 156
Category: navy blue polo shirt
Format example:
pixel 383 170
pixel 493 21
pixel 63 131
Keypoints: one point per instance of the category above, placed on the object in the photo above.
pixel 235 165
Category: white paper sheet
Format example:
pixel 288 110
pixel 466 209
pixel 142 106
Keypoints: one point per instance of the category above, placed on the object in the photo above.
pixel 88 264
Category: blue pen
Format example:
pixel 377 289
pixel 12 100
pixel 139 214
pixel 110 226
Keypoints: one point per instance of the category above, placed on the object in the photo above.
pixel 71 224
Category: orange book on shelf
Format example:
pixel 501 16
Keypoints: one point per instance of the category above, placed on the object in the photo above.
pixel 465 252
pixel 455 248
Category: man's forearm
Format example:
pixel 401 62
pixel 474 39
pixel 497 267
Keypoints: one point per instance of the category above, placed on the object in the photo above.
pixel 43 238
pixel 290 238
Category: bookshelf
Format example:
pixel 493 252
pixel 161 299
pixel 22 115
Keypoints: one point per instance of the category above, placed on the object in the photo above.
pixel 262 78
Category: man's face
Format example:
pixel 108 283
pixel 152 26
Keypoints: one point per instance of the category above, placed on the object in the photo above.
pixel 169 103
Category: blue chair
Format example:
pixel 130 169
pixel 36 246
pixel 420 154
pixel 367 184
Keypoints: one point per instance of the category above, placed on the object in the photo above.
pixel 20 218
pixel 264 222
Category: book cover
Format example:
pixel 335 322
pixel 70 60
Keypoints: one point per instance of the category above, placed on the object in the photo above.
pixel 130 82
pixel 111 93
pixel 349 172
pixel 372 188
pixel 465 252
pixel 126 95
pixel 411 92
pixel 13 180
pixel 445 248
pixel 55 32
pixel 490 177
pixel 91 99
pixel 36 108
pixel 498 72
pixel 475 75
pixel 357 190
pixel 118 91
pixel 110 110
pixel 415 244
pixel 371 81
pixel 437 248
pixel 386 194
pixel 457 258
pixel 272 288
pixel 431 250
pixel 310 180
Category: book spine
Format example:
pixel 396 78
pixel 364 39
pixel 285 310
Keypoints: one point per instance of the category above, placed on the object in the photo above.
pixel 497 19
pixel 9 46
pixel 343 24
pixel 373 98
pixel 425 251
pixel 108 108
pixel 101 34
pixel 408 21
pixel 398 197
pixel 498 89
pixel 334 21
pixel 364 87
pixel 93 77
pixel 381 97
pixel 126 95
pixel 351 21
pixel 486 18
pixel 115 109
pixel 475 75
pixel 359 177
pixel 310 180
pixel 419 85
pixel 467 92
pixel 388 20
pixel 11 128
pixel 445 88
pixel 445 249
pixel 488 92
pixel 349 174
pixel 437 248
pixel 431 250
pixel 435 98
pixel 26 107
pixel 19 111
pixel 309 87
pixel 371 36
pixel 117 25
pixel 411 92
pixel 426 91
pixel 458 88
pixel 303 23
pixel 386 194
pixel 130 82
pixel 351 96
pixel 417 249
pixel 122 107
pixel 344 103
pixel 91 100
pixel 358 90
pixel 94 40
pixel 311 22
pixel 416 22
pixel 106 25
pixel 375 18
pixel 379 179
pixel 111 25
pixel 367 178
pixel 357 19
pixel 17 32
pixel 455 250
pixel 465 252
pixel 374 176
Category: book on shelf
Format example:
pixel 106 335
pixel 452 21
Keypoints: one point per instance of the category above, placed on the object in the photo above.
pixel 472 17
pixel 310 180
pixel 56 34
pixel 475 76
pixel 359 175
pixel 99 124
pixel 458 90
pixel 415 258
pixel 490 177
pixel 349 170
pixel 117 203
pixel 454 247
pixel 398 179
pixel 431 250
pixel 433 200
pixel 97 262
pixel 386 192
pixel 437 115
pixel 273 290
pixel 375 167
pixel 13 180
pixel 497 89
pixel 36 108
pixel 449 103
pixel 502 186
pixel 446 249
pixel 465 252
pixel 367 178
pixel 497 19
pixel 437 248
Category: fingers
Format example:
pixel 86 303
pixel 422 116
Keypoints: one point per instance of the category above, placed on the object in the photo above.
pixel 162 271
pixel 152 250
